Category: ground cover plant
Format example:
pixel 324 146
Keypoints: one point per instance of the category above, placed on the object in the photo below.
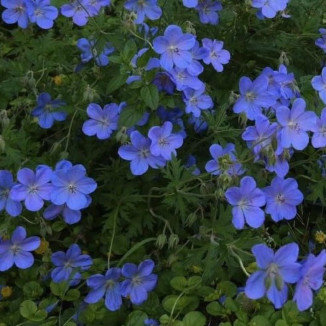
pixel 162 162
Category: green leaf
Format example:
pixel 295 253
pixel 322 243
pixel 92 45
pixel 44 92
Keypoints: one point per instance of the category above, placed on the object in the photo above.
pixel 281 322
pixel 38 316
pixel 28 308
pixel 118 79
pixel 179 283
pixel 260 321
pixel 194 318
pixel 136 318
pixel 72 295
pixel 150 95
pixel 214 309
pixel 32 290
pixel 130 116
pixel 176 303
pixel 58 289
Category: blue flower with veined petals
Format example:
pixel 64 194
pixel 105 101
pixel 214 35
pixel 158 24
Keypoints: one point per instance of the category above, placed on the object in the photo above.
pixel 143 9
pixel 319 137
pixel 164 142
pixel 33 188
pixel 46 111
pixel 311 278
pixel 275 271
pixel 254 96
pixel 294 124
pixel 16 251
pixel 98 4
pixel 321 42
pixel 68 264
pixel 282 197
pixel 196 101
pixel 174 48
pixel 89 51
pixel 207 10
pixel 12 207
pixel 42 13
pixel 246 201
pixel 79 10
pixel 138 152
pixel 216 55
pixel 102 122
pixel 319 84
pixel 71 186
pixel 107 286
pixel 139 281
pixel 16 12
pixel 269 8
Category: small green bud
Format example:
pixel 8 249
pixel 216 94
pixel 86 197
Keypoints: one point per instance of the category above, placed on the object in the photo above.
pixel 191 219
pixel 164 319
pixel 279 282
pixel 161 241
pixel 173 240
pixel 121 136
pixel 2 144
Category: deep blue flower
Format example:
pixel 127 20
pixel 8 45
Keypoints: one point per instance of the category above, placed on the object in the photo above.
pixel 71 187
pixel 217 56
pixel 171 115
pixel 16 251
pixel 207 10
pixel 79 10
pixel 285 82
pixel 12 207
pixel 294 124
pixel 199 124
pixel 183 79
pixel 163 82
pixel 319 84
pixel 191 164
pixel 68 264
pixel 16 12
pixel 196 101
pixel 143 9
pixel 42 13
pixel 46 111
pixel 275 271
pixel 102 122
pixel 282 197
pixel 164 142
pixel 321 42
pixel 246 201
pixel 174 48
pixel 139 281
pixel 107 286
pixel 224 161
pixel 195 68
pixel 254 96
pixel 311 278
pixel 151 322
pixel 89 51
pixel 138 152
pixel 33 188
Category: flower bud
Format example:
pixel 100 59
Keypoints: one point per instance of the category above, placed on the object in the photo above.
pixel 4 118
pixel 173 240
pixel 161 241
pixel 6 291
pixel 44 245
pixel 191 219
pixel 2 144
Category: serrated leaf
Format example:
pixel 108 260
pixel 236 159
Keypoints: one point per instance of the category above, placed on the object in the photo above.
pixel 150 95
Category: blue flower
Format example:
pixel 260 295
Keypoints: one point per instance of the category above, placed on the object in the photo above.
pixel 98 4
pixel 207 10
pixel 102 122
pixel 16 251
pixel 195 68
pixel 33 188
pixel 89 51
pixel 311 278
pixel 183 79
pixel 108 286
pixel 196 101
pixel 191 164
pixel 319 84
pixel 254 96
pixel 217 56
pixel 275 271
pixel 46 111
pixel 269 8
pixel 282 197
pixel 224 161
pixel 246 201
pixel 174 48
pixel 321 42
pixel 190 3
pixel 42 13
pixel 79 10
pixel 164 142
pixel 139 281
pixel 143 9
pixel 138 152
pixel 163 82
pixel 12 207
pixel 16 12
pixel 71 186
pixel 68 264
pixel 151 322
pixel 319 137
pixel 294 124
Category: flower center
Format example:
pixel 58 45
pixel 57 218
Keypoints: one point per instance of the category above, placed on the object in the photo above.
pixel 14 248
pixel 280 198
pixel 193 100
pixel 33 189
pixel 4 193
pixel 250 96
pixel 293 125
pixel 163 142
pixel 72 188
pixel 144 153
pixel 137 280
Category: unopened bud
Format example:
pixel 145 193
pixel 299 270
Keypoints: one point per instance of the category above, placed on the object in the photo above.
pixel 173 240
pixel 2 144
pixel 4 118
pixel 90 94
pixel 283 59
pixel 121 136
pixel 191 219
pixel 161 241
